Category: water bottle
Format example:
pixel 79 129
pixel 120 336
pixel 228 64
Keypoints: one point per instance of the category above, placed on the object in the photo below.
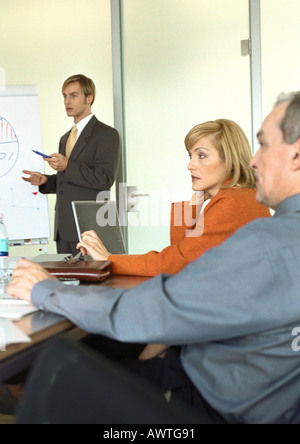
pixel 3 237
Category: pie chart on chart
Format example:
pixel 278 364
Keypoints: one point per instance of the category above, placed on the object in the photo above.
pixel 9 147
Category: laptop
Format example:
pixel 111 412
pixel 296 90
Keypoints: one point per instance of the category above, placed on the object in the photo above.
pixel 8 264
pixel 6 299
pixel 103 218
pixel 12 308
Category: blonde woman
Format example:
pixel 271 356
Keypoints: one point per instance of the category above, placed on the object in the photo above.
pixel 219 154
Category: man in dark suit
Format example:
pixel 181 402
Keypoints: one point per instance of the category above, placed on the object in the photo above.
pixel 86 164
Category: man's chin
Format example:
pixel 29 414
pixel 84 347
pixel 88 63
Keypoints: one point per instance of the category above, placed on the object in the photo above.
pixel 265 201
pixel 260 198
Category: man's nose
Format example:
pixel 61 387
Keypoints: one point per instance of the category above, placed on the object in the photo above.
pixel 253 161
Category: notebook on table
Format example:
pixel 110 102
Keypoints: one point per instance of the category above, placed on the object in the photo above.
pixel 86 271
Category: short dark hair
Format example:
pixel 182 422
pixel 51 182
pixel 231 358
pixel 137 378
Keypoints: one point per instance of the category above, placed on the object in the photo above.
pixel 290 123
pixel 87 85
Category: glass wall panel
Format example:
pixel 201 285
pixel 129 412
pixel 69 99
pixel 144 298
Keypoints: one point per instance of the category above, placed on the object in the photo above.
pixel 280 36
pixel 182 66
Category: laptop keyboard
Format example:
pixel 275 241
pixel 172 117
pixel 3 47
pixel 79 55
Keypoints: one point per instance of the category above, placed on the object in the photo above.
pixel 5 298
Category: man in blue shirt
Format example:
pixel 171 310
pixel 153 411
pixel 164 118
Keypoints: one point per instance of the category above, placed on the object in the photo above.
pixel 235 311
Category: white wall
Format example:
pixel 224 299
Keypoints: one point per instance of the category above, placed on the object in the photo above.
pixel 44 42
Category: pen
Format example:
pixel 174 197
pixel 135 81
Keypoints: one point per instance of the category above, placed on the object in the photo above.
pixel 73 259
pixel 41 154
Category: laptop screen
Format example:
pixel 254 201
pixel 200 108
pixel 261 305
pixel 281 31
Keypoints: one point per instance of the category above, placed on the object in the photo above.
pixel 102 217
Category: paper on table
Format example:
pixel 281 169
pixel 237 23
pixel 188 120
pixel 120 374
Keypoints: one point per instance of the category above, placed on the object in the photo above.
pixel 10 334
pixel 13 311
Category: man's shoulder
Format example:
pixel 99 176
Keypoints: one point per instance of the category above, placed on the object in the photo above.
pixel 97 125
pixel 273 232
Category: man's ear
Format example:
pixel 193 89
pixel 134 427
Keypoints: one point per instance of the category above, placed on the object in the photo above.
pixel 296 156
pixel 89 99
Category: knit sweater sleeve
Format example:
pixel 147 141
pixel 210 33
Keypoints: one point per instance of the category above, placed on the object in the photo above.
pixel 221 218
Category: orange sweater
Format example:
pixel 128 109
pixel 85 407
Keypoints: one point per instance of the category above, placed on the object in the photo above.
pixel 229 210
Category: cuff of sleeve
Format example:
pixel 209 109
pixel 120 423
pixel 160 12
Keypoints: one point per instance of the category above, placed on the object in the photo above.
pixel 42 291
pixel 43 188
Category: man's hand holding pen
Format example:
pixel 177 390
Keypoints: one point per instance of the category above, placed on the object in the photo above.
pixel 58 162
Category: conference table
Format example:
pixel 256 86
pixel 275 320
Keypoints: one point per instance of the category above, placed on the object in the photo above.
pixel 41 327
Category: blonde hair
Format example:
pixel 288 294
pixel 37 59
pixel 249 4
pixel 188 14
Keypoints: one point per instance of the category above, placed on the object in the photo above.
pixel 233 147
pixel 87 85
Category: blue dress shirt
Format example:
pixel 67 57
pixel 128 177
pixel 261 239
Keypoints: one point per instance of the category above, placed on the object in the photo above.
pixel 234 311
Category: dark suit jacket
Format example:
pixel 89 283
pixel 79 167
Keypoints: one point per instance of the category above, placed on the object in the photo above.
pixel 92 168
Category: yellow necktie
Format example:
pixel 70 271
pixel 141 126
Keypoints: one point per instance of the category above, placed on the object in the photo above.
pixel 71 141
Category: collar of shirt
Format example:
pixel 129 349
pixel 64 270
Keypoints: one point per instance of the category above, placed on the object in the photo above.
pixel 289 205
pixel 82 124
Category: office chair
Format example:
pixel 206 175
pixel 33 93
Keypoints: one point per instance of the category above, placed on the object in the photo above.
pixel 70 384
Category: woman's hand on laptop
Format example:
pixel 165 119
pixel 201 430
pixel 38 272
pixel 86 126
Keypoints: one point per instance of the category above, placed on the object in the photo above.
pixel 91 244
